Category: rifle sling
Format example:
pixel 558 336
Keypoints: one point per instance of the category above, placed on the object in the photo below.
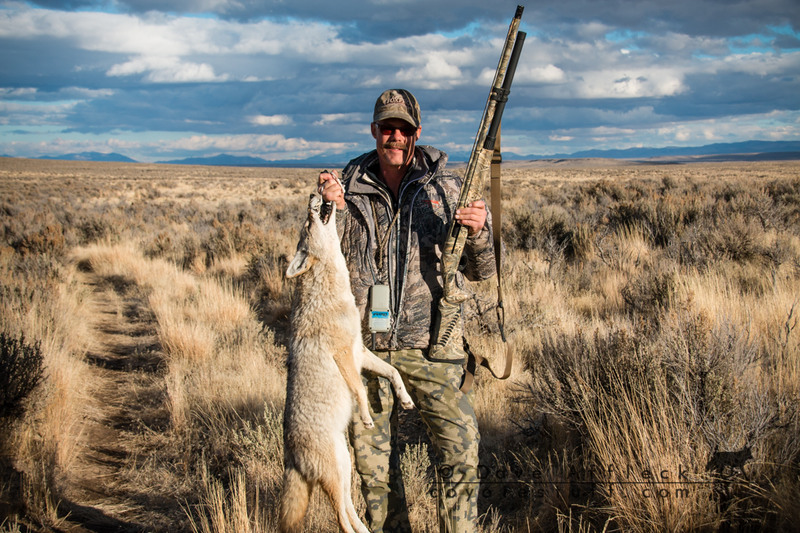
pixel 474 360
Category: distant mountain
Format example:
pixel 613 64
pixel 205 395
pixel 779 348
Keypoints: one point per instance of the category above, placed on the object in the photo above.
pixel 247 161
pixel 741 151
pixel 91 156
pixel 759 149
pixel 220 160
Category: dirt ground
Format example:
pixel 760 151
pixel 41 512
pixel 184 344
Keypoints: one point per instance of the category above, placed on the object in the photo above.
pixel 127 383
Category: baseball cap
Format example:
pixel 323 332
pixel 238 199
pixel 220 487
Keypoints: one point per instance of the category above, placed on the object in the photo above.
pixel 397 103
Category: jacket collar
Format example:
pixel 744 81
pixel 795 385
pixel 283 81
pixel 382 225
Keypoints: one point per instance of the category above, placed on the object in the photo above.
pixel 427 162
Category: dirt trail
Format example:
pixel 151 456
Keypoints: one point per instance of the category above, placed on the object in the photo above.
pixel 127 384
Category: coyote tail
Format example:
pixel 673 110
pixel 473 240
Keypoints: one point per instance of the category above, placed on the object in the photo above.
pixel 294 501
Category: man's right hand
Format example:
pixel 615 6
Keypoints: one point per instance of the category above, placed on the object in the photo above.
pixel 330 189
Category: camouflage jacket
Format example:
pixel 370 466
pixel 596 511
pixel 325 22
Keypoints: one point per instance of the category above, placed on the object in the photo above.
pixel 409 261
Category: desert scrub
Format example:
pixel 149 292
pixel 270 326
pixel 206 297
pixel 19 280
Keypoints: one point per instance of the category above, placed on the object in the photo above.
pixel 664 398
pixel 552 230
pixel 21 371
pixel 663 217
pixel 650 291
pixel 572 371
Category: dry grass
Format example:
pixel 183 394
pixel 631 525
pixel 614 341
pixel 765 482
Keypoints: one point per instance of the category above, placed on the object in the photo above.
pixel 653 311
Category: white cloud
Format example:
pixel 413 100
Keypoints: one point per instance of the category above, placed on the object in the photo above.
pixel 545 74
pixel 86 93
pixel 338 118
pixel 782 133
pixel 435 73
pixel 162 69
pixel 679 45
pixel 161 45
pixel 273 120
pixel 592 30
pixel 24 113
pixel 760 64
pixel 61 145
pixel 772 125
pixel 17 92
pixel 629 84
pixel 266 146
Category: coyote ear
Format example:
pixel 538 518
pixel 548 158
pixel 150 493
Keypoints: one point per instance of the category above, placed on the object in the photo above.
pixel 300 264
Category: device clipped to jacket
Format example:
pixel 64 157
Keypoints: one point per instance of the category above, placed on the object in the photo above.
pixel 380 319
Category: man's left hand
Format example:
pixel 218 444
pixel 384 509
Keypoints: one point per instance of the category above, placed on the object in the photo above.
pixel 473 216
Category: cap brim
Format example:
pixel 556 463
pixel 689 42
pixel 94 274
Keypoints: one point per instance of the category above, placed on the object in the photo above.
pixel 395 114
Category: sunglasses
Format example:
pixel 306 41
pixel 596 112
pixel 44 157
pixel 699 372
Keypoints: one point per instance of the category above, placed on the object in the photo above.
pixel 387 129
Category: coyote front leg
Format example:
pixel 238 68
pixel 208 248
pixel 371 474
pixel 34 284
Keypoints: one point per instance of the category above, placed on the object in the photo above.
pixel 347 366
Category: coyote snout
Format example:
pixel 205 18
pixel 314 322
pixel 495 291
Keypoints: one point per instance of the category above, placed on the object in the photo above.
pixel 326 356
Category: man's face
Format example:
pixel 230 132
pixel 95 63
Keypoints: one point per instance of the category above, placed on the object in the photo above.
pixel 395 140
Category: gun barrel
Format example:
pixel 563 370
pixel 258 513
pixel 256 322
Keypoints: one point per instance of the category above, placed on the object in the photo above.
pixel 502 95
pixel 477 166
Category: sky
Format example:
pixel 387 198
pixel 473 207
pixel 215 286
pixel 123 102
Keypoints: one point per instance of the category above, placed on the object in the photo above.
pixel 297 79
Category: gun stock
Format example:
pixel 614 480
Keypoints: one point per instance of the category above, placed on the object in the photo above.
pixel 443 344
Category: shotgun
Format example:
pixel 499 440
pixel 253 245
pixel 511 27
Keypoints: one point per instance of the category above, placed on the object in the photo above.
pixel 449 312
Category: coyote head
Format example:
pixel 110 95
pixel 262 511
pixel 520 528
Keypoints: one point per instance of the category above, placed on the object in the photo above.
pixel 318 238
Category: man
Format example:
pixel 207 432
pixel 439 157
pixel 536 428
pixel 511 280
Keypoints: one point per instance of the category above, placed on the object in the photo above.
pixel 396 205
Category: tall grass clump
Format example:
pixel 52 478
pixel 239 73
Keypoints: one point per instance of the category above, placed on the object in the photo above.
pixel 20 373
pixel 41 300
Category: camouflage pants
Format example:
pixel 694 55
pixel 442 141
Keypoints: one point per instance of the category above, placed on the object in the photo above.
pixel 453 428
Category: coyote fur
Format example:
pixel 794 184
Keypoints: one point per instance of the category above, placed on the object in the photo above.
pixel 326 356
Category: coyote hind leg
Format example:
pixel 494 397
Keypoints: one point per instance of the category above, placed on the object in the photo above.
pixel 375 364
pixel 335 481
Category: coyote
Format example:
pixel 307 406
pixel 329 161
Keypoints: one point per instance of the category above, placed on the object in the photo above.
pixel 326 356
pixel 722 461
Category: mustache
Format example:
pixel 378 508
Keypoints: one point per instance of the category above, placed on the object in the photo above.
pixel 395 145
